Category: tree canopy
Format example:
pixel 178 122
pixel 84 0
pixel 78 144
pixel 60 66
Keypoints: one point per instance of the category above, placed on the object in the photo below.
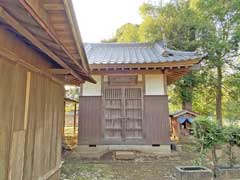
pixel 211 26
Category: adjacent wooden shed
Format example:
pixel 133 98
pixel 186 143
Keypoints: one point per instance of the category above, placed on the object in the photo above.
pixel 181 123
pixel 129 104
pixel 40 51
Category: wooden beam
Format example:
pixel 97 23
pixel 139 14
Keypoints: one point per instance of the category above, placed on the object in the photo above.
pixel 26 109
pixel 46 28
pixel 185 63
pixel 53 7
pixel 76 32
pixel 24 32
pixel 140 71
pixel 59 71
pixel 9 55
pixel 75 118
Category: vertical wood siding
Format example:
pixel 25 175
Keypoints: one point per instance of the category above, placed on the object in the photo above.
pixel 155 123
pixel 90 115
pixel 156 119
pixel 30 152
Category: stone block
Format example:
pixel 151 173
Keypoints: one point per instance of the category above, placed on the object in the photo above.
pixel 125 155
pixel 224 173
pixel 193 173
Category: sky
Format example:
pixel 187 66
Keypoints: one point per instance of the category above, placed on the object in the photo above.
pixel 99 19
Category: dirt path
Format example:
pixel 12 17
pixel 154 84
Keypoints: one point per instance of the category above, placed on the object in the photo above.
pixel 142 168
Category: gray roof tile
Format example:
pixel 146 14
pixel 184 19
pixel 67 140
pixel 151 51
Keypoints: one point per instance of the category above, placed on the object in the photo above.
pixel 135 53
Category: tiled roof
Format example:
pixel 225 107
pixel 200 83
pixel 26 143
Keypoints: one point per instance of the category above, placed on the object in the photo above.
pixel 181 112
pixel 135 53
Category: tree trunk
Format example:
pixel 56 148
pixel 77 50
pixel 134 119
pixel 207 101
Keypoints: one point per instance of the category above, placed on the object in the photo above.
pixel 186 105
pixel 215 160
pixel 219 95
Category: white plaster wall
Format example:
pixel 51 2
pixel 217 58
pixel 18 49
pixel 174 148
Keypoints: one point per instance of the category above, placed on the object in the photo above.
pixel 154 84
pixel 90 89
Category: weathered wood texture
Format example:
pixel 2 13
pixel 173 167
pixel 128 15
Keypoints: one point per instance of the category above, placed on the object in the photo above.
pixel 155 126
pixel 90 115
pixel 156 119
pixel 32 112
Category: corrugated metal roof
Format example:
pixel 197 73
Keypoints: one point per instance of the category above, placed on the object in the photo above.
pixel 135 53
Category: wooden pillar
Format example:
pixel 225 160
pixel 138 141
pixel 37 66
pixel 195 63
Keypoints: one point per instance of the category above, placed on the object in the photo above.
pixel 63 128
pixel 75 118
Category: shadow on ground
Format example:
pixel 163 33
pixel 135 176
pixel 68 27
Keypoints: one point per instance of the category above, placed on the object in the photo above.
pixel 144 167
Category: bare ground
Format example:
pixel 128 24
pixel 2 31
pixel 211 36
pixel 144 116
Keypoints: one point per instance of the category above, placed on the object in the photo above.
pixel 144 167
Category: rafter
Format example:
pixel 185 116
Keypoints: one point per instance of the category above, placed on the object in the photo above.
pixel 24 32
pixel 53 7
pixel 59 71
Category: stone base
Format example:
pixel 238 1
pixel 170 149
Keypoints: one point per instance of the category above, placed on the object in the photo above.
pixel 96 152
pixel 125 155
pixel 224 173
pixel 193 173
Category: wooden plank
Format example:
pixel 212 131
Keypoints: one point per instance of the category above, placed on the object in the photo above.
pixel 59 71
pixel 19 98
pixel 156 119
pixel 41 90
pixel 89 123
pixel 32 10
pixel 16 159
pixel 53 6
pixel 76 33
pixel 74 119
pixel 185 63
pixel 7 86
pixel 17 156
pixel 27 96
pixel 10 20
pixel 31 129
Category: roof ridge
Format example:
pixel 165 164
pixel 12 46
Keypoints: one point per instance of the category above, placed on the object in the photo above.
pixel 121 43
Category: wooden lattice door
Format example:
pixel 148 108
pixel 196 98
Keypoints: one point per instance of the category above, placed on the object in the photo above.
pixel 123 113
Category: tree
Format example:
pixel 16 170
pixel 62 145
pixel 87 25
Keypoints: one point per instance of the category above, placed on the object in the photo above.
pixel 211 26
pixel 232 138
pixel 183 29
pixel 208 135
pixel 231 88
pixel 223 43
pixel 127 33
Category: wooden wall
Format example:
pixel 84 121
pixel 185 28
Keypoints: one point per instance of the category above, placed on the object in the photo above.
pixel 90 116
pixel 156 124
pixel 156 121
pixel 32 112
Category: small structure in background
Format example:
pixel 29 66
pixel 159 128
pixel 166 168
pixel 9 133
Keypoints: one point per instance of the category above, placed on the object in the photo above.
pixel 127 109
pixel 181 123
pixel 70 123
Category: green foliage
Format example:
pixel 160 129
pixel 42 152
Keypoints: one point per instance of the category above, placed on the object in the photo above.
pixel 150 30
pixel 209 135
pixel 111 40
pixel 207 132
pixel 232 138
pixel 232 96
pixel 212 26
pixel 232 135
pixel 127 33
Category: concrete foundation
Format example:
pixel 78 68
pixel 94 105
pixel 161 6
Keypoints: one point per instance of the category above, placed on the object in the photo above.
pixel 97 151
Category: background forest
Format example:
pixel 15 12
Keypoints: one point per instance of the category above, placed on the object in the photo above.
pixel 209 26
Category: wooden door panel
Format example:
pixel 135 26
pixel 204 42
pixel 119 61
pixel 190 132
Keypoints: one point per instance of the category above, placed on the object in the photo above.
pixel 133 105
pixel 123 112
pixel 113 113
